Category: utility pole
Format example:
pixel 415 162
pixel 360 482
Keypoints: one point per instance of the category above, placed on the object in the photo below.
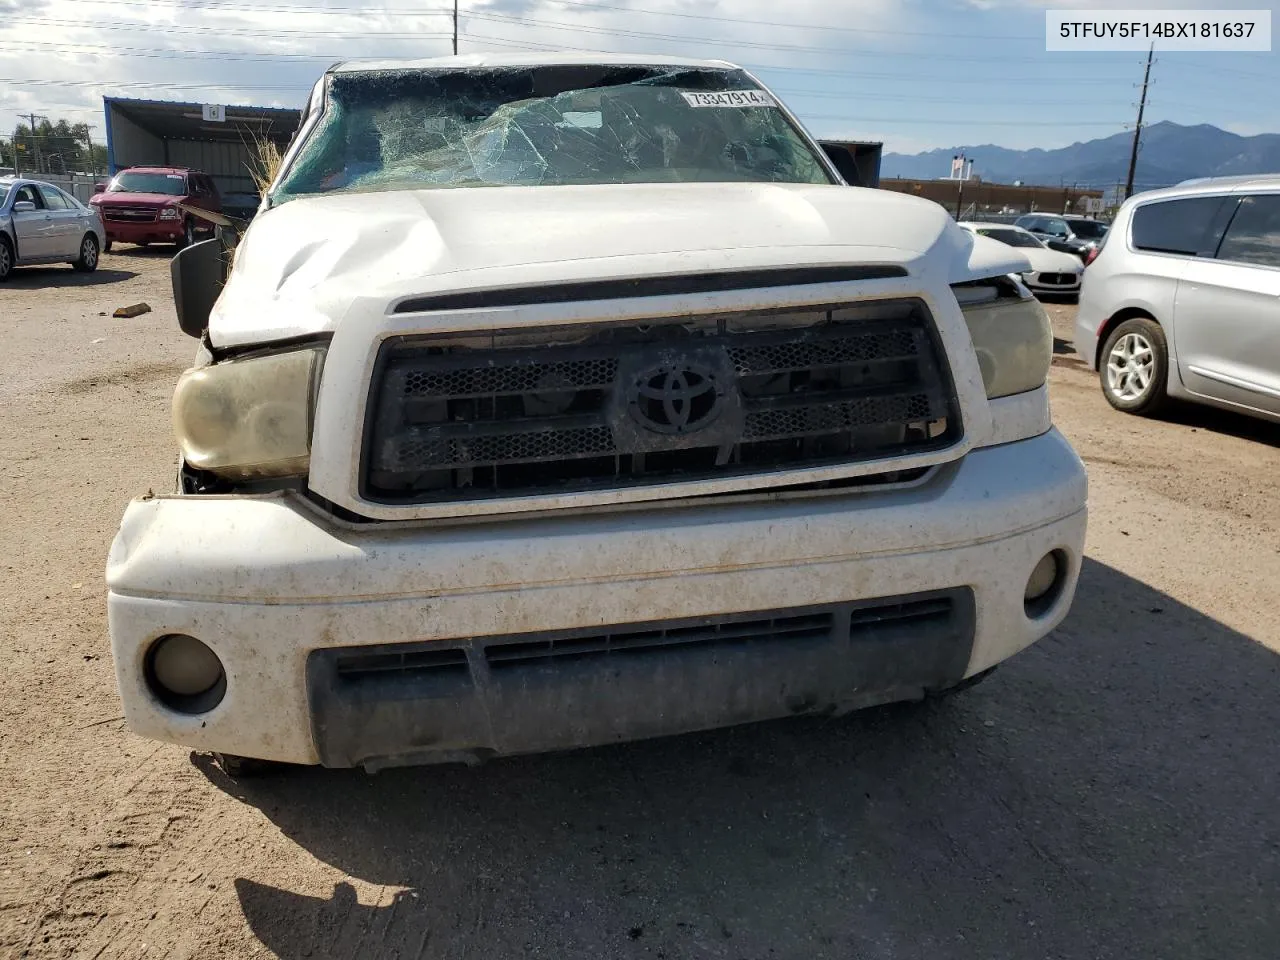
pixel 1137 130
pixel 959 182
pixel 35 140
pixel 455 27
pixel 88 139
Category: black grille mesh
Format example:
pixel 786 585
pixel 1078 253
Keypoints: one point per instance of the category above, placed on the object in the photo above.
pixel 831 417
pixel 513 378
pixel 520 413
pixel 777 357
pixel 429 453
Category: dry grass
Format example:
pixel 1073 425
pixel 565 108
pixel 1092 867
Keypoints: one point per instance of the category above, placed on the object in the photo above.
pixel 264 162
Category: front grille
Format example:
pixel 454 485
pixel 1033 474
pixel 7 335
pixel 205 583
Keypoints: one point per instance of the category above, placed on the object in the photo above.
pixel 1058 278
pixel 355 664
pixel 815 625
pixel 606 406
pixel 129 214
pixel 862 621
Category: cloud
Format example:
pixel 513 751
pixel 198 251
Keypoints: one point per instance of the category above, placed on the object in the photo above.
pixel 269 52
pixel 1099 5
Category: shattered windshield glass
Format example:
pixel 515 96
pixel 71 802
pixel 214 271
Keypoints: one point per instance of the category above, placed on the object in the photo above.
pixel 547 125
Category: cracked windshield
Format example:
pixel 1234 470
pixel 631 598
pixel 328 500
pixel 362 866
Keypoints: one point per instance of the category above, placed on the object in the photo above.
pixel 554 125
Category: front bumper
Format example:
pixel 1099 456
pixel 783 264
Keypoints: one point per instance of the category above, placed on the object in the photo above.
pixel 146 231
pixel 1034 283
pixel 281 595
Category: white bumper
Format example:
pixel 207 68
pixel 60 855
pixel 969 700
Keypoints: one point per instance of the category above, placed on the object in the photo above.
pixel 1035 281
pixel 266 581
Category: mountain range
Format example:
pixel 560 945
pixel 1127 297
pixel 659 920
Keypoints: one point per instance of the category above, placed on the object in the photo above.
pixel 1170 153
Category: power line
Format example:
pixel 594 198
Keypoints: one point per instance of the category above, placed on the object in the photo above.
pixel 265 33
pixel 234 55
pixel 161 53
pixel 504 19
pixel 743 44
pixel 305 87
pixel 738 21
pixel 1227 71
pixel 909 77
pixel 794 26
pixel 167 85
pixel 242 6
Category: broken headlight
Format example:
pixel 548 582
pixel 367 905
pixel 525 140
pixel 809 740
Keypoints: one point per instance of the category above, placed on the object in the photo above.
pixel 247 419
pixel 1010 333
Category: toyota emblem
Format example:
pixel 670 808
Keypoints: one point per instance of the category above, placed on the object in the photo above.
pixel 675 399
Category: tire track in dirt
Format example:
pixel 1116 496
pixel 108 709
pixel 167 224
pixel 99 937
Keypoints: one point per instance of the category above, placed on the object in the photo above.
pixel 155 814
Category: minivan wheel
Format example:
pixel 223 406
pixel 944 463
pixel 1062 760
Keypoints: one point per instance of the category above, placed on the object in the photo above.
pixel 1135 367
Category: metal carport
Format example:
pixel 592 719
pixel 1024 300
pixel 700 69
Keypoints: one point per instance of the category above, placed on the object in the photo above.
pixel 159 132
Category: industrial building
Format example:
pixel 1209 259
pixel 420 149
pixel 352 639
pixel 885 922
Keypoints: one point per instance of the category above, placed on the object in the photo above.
pixel 974 197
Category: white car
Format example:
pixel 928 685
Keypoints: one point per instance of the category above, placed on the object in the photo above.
pixel 527 421
pixel 1051 270
pixel 41 224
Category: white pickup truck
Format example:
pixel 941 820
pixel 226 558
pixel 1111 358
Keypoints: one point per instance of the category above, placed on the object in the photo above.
pixel 556 401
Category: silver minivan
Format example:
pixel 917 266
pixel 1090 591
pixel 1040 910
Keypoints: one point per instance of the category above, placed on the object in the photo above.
pixel 1183 299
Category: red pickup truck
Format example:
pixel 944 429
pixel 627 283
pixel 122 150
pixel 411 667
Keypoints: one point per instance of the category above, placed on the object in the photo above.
pixel 140 205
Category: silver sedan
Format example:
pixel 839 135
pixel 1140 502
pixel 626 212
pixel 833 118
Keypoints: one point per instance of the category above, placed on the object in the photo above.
pixel 39 223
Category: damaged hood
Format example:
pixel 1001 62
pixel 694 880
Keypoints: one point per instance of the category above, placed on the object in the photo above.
pixel 303 266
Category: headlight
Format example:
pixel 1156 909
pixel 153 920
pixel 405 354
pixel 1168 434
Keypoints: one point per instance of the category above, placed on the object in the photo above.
pixel 1010 333
pixel 170 213
pixel 246 419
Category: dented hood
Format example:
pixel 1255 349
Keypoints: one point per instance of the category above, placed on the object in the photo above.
pixel 303 266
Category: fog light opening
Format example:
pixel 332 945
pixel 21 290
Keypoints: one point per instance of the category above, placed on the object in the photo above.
pixel 184 674
pixel 1044 586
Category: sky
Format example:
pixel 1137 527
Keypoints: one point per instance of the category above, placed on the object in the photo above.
pixel 914 74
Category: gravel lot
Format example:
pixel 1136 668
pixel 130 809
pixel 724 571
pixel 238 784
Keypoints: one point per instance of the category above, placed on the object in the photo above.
pixel 1110 793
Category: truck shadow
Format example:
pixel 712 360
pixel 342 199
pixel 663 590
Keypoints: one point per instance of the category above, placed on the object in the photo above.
pixel 1109 793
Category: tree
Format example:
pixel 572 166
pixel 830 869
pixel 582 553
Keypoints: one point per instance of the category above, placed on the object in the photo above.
pixel 56 148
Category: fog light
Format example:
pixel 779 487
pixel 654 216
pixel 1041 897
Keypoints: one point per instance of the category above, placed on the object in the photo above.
pixel 185 674
pixel 1045 583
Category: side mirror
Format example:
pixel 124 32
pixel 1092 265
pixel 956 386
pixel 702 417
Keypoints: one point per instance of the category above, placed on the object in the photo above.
pixel 198 273
pixel 24 206
pixel 99 188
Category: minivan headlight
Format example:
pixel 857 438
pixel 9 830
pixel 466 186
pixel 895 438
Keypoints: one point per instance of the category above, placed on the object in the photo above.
pixel 1011 335
pixel 247 419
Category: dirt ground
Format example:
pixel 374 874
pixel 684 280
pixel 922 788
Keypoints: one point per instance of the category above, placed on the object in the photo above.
pixel 1110 793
